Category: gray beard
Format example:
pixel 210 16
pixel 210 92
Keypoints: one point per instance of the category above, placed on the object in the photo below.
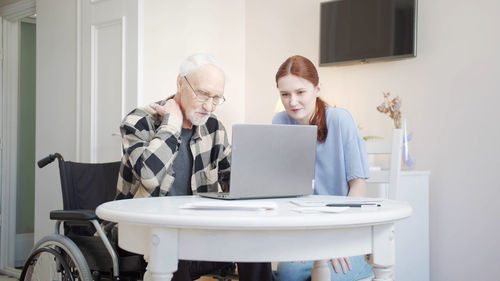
pixel 197 121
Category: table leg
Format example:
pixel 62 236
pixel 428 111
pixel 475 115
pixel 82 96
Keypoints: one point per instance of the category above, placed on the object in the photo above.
pixel 162 258
pixel 383 256
pixel 320 271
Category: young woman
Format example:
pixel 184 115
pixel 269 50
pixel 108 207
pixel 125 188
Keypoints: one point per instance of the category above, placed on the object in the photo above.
pixel 341 160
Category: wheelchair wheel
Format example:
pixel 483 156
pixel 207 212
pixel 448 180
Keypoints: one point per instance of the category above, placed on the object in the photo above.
pixel 56 258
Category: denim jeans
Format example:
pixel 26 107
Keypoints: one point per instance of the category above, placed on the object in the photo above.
pixel 298 271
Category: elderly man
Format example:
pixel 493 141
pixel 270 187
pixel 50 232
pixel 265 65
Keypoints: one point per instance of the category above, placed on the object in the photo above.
pixel 178 147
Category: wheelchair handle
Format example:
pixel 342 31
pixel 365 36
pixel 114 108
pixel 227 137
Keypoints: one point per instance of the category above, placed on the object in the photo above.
pixel 49 159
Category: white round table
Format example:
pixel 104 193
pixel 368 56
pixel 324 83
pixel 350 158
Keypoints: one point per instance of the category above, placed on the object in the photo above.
pixel 164 232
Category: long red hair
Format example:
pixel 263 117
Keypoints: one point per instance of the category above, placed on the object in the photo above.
pixel 304 68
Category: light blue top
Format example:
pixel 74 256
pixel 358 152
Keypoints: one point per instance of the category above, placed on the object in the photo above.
pixel 341 158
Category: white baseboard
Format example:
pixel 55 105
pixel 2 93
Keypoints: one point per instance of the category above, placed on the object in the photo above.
pixel 24 244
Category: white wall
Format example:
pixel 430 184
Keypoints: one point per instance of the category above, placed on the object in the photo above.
pixel 275 30
pixel 173 30
pixel 450 95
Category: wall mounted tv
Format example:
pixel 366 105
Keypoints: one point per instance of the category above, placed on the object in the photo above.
pixel 363 30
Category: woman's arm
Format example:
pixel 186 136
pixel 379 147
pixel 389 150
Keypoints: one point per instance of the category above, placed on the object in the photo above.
pixel 357 188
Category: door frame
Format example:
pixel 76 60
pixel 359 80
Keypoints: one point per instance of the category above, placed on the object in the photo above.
pixel 10 16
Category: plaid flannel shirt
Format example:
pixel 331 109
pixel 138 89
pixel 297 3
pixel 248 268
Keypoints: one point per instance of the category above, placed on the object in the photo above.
pixel 151 144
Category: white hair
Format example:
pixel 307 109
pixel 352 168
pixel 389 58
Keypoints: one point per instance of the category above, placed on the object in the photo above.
pixel 196 61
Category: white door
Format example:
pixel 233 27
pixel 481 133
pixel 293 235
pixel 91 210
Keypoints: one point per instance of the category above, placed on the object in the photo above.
pixel 88 77
pixel 111 76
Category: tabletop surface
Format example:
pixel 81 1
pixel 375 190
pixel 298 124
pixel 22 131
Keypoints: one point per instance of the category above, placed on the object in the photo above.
pixel 172 212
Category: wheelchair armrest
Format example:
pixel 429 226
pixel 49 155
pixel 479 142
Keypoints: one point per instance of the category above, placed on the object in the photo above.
pixel 73 215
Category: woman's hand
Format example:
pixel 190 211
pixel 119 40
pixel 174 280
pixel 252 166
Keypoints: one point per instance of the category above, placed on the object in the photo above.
pixel 344 263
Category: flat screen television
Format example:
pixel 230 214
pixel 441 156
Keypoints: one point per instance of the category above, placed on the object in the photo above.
pixel 354 31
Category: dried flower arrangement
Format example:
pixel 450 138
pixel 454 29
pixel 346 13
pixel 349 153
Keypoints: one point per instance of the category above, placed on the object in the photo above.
pixel 393 108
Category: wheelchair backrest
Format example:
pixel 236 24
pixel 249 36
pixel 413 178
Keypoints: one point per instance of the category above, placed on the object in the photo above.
pixel 87 185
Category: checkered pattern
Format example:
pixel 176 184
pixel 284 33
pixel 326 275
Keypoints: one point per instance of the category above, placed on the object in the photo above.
pixel 150 146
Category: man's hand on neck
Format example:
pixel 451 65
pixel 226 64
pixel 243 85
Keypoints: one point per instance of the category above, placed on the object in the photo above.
pixel 171 106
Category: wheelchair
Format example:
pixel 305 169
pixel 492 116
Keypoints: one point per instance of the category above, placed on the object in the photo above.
pixel 87 249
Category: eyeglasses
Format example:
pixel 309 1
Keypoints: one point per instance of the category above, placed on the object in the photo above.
pixel 216 100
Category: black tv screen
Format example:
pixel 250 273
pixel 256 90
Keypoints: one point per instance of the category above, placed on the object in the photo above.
pixel 363 30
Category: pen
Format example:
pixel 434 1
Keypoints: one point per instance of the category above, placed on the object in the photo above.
pixel 351 205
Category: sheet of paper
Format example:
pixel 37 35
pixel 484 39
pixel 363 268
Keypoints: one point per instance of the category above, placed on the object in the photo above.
pixel 322 203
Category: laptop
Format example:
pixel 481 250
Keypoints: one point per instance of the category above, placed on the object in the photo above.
pixel 270 161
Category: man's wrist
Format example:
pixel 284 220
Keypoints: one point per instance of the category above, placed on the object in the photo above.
pixel 172 123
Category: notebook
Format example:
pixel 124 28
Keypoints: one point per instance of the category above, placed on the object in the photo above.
pixel 271 161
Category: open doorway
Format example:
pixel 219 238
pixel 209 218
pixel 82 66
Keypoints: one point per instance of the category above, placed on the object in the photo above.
pixel 17 153
pixel 25 195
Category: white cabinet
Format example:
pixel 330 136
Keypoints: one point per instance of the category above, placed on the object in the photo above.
pixel 412 234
